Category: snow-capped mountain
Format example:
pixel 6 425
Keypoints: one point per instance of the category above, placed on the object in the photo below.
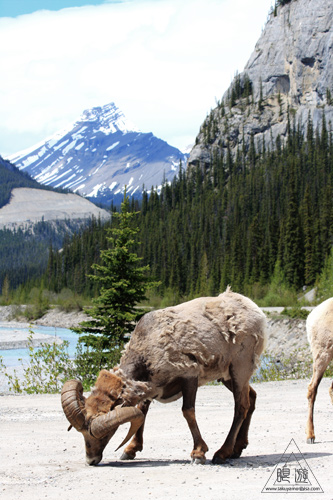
pixel 100 154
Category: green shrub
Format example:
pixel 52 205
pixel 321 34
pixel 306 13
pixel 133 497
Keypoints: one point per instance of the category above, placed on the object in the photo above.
pixel 69 301
pixel 278 292
pixel 324 283
pixel 296 312
pixel 38 305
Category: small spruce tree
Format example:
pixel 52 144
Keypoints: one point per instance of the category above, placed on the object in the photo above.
pixel 123 283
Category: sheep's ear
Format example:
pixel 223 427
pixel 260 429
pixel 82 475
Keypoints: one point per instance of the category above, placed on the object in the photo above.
pixel 109 383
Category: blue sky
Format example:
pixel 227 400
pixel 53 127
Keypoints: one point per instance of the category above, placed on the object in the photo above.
pixel 13 8
pixel 163 62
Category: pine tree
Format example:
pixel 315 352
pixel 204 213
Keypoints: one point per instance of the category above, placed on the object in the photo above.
pixel 123 282
pixel 292 242
pixel 309 271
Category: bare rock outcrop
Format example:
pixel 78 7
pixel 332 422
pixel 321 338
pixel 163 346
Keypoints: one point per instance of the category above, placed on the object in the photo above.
pixel 289 75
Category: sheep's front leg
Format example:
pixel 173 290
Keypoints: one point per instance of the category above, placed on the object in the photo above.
pixel 189 389
pixel 136 443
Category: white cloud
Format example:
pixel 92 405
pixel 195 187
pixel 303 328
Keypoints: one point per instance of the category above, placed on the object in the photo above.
pixel 162 62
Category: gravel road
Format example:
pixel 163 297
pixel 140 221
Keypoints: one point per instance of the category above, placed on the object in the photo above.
pixel 40 459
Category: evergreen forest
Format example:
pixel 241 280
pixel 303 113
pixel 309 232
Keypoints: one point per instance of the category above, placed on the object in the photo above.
pixel 239 222
pixel 24 254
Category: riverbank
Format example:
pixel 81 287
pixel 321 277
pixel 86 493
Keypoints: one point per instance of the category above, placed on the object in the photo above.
pixel 15 335
pixel 15 330
pixel 54 317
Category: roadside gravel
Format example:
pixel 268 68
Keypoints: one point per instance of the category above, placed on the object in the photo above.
pixel 40 459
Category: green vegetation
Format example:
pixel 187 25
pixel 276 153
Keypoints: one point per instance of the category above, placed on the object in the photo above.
pixel 241 88
pixel 24 255
pixel 69 268
pixel 325 280
pixel 296 312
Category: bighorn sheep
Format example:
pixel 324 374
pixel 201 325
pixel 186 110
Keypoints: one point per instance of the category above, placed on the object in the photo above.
pixel 171 352
pixel 319 327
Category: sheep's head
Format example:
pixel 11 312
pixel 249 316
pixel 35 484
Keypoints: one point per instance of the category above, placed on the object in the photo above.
pixel 99 416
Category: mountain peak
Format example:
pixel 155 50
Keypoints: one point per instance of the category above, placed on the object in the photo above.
pixel 100 154
pixel 108 119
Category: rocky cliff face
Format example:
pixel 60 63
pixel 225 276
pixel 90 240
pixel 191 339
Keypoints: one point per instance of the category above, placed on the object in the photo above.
pixel 289 73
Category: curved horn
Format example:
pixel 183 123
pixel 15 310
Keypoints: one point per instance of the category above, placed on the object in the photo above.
pixel 73 402
pixel 104 424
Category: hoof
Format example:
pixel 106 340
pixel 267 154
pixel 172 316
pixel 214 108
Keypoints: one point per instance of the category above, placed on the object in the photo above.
pixel 125 456
pixel 310 440
pixel 199 460
pixel 238 450
pixel 218 460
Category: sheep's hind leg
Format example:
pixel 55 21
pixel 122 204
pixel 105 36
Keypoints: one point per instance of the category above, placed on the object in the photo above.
pixel 330 390
pixel 234 443
pixel 189 389
pixel 136 443
pixel 242 437
pixel 319 368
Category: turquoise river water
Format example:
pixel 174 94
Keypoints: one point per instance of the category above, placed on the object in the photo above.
pixel 11 356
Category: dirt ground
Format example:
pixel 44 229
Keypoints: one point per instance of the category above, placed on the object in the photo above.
pixel 40 459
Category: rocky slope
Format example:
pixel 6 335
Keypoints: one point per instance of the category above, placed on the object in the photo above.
pixel 289 73
pixel 99 154
pixel 28 206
